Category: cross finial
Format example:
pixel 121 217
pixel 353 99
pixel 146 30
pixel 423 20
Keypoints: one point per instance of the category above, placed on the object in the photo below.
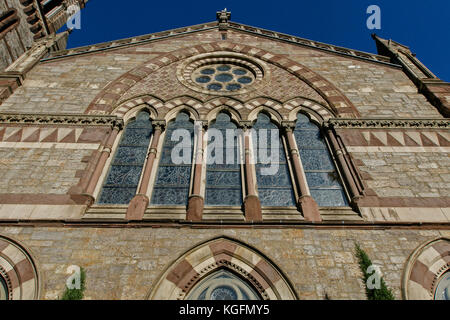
pixel 223 16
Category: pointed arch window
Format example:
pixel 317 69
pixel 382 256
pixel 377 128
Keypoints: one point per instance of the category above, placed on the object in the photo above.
pixel 174 171
pixel 223 285
pixel 124 174
pixel 273 177
pixel 321 174
pixel 223 169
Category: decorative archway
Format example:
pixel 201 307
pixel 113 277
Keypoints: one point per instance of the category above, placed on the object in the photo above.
pixel 18 271
pixel 222 253
pixel 108 98
pixel 424 268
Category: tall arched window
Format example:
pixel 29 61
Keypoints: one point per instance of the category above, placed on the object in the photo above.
pixel 174 172
pixel 126 167
pixel 223 285
pixel 272 171
pixel 223 169
pixel 323 180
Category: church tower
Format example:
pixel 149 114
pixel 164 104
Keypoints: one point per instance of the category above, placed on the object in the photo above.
pixel 25 26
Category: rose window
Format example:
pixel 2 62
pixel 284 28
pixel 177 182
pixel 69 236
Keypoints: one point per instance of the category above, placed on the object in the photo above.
pixel 223 77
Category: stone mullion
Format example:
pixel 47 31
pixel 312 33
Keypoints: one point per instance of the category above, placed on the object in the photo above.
pixel 353 171
pixel 305 202
pixel 138 205
pixel 252 204
pixel 343 165
pixel 105 154
pixel 196 201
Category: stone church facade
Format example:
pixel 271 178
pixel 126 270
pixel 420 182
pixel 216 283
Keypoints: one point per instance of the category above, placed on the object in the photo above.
pixel 87 177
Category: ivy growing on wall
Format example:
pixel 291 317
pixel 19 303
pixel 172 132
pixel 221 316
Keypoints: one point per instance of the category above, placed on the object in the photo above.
pixel 381 292
pixel 76 294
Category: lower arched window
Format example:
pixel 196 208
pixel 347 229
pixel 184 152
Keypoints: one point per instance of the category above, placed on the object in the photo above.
pixel 223 169
pixel 223 285
pixel 174 172
pixel 126 167
pixel 3 289
pixel 443 287
pixel 321 174
pixel 272 171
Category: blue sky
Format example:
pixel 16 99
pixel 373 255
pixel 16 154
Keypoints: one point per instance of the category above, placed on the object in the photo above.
pixel 424 26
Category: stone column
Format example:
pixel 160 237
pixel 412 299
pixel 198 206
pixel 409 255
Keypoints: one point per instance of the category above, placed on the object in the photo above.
pixel 139 203
pixel 106 152
pixel 342 163
pixel 252 205
pixel 305 202
pixel 196 201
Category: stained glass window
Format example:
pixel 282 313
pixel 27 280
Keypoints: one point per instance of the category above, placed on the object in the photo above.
pixel 323 180
pixel 223 170
pixel 126 167
pixel 3 289
pixel 223 285
pixel 174 172
pixel 443 288
pixel 272 171
pixel 223 77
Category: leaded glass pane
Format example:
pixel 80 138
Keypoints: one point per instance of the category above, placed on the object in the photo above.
pixel 321 174
pixel 223 176
pixel 173 179
pixel 3 289
pixel 274 179
pixel 170 195
pixel 126 167
pixel 223 285
pixel 443 288
pixel 329 197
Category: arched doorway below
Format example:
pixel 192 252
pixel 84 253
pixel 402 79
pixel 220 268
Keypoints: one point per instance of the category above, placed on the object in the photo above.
pixel 223 269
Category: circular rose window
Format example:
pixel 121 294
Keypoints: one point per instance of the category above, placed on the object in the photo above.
pixel 221 75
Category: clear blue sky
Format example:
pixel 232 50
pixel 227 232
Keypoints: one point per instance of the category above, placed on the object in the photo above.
pixel 424 26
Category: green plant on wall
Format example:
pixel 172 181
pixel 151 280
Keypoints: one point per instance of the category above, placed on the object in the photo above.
pixel 76 294
pixel 380 292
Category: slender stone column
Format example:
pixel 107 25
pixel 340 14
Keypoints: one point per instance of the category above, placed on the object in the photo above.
pixel 106 152
pixel 306 203
pixel 139 203
pixel 196 202
pixel 252 205
pixel 339 152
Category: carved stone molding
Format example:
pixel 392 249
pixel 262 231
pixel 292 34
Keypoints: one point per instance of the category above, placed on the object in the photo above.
pixel 388 123
pixel 60 119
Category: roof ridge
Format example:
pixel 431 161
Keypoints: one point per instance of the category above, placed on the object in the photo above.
pixel 231 25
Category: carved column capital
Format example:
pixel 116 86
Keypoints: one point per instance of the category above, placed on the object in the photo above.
pixel 288 126
pixel 246 125
pixel 159 124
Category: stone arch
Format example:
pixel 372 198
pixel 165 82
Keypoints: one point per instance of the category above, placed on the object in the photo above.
pixel 182 107
pixel 235 115
pixel 275 116
pixel 107 99
pixel 183 100
pixel 224 101
pixel 424 268
pixel 132 113
pixel 313 108
pixel 210 256
pixel 152 102
pixel 18 269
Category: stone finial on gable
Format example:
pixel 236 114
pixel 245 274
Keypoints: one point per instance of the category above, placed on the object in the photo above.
pixel 223 17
